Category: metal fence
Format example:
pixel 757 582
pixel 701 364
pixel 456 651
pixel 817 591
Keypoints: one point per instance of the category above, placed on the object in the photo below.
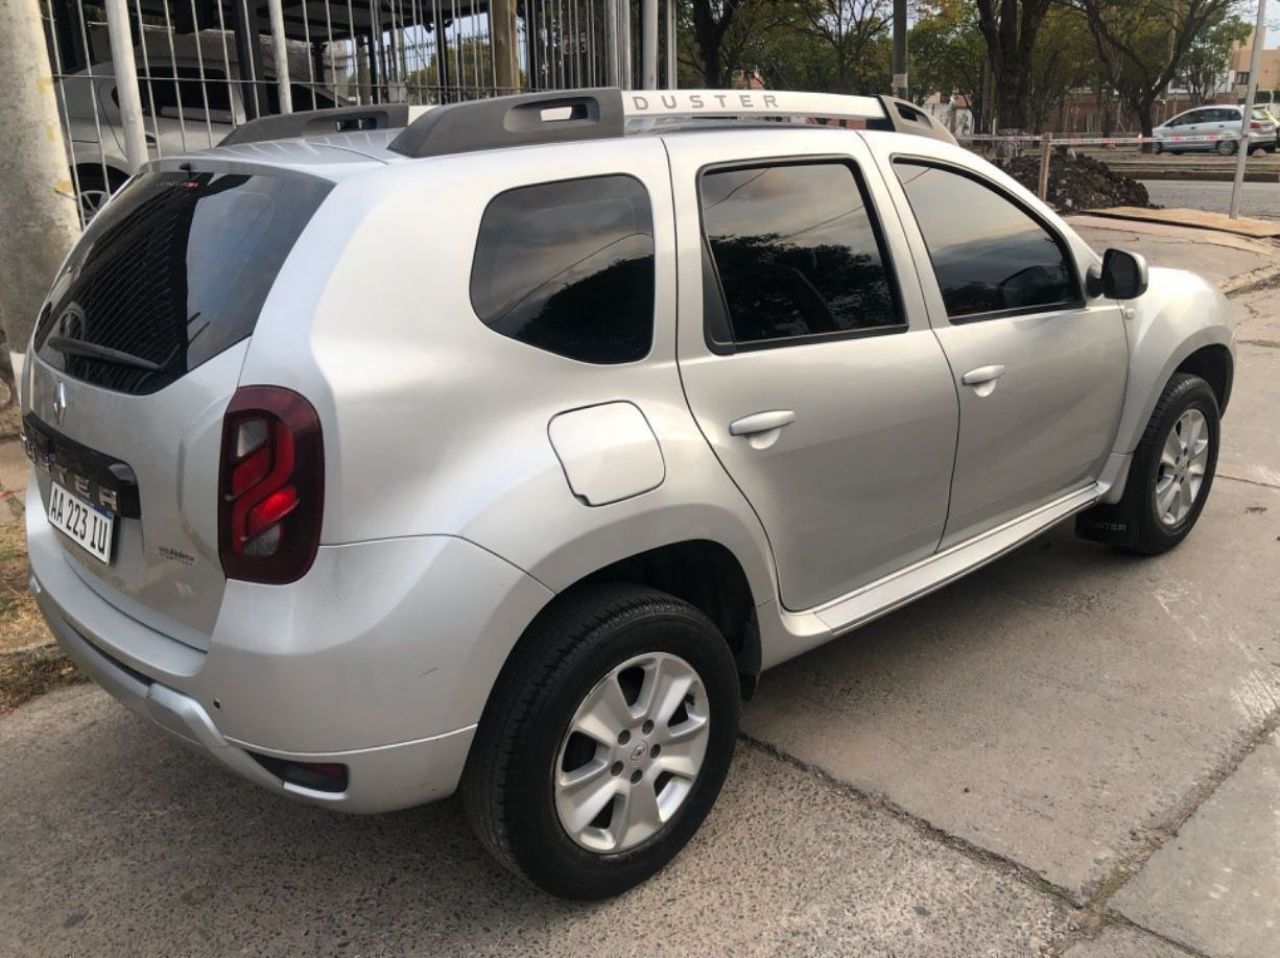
pixel 179 75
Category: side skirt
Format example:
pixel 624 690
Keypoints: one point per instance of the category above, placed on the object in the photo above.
pixel 801 631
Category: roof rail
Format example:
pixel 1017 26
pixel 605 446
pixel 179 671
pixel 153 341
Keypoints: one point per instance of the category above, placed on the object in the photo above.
pixel 526 118
pixel 342 119
pixel 877 112
pixel 573 115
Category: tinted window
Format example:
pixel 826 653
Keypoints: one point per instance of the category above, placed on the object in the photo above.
pixel 173 271
pixel 163 92
pixel 988 254
pixel 797 252
pixel 568 267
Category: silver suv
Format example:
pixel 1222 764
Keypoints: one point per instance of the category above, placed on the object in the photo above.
pixel 501 453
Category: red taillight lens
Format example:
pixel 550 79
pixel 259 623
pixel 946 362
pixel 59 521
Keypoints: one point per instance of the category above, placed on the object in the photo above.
pixel 271 487
pixel 1255 124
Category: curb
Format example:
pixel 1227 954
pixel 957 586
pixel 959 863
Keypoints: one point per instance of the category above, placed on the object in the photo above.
pixel 1253 280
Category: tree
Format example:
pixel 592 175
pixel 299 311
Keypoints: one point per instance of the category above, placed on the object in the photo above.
pixel 1064 59
pixel 1010 28
pixel 948 56
pixel 1209 57
pixel 1144 43
pixel 723 31
pixel 851 29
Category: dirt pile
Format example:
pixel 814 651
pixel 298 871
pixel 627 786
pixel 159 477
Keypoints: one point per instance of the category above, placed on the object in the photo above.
pixel 1078 182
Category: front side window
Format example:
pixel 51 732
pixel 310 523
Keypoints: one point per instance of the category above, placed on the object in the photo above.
pixel 797 254
pixel 568 267
pixel 990 256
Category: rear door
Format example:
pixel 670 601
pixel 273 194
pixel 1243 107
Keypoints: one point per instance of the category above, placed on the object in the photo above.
pixel 805 354
pixel 136 354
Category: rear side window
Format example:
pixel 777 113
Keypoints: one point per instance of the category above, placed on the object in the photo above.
pixel 567 267
pixel 797 252
pixel 990 256
pixel 173 271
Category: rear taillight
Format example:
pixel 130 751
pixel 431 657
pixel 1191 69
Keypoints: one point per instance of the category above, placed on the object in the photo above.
pixel 271 485
pixel 1255 124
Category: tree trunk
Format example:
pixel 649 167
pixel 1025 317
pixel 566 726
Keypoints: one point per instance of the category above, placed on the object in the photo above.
pixel 1143 109
pixel 1012 97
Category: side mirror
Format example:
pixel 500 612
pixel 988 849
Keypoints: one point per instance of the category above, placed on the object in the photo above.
pixel 1124 274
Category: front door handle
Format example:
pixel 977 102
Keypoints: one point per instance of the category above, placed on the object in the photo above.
pixel 762 422
pixel 983 374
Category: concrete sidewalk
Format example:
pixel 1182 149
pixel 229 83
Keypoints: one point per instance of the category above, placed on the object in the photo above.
pixel 1233 262
pixel 1071 752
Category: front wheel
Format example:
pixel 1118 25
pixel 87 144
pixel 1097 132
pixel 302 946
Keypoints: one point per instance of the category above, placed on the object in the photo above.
pixel 1171 474
pixel 605 742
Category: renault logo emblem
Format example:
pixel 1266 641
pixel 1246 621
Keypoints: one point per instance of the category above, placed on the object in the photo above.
pixel 59 402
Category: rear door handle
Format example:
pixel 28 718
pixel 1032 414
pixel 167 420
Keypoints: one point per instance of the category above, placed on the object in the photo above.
pixel 762 422
pixel 983 374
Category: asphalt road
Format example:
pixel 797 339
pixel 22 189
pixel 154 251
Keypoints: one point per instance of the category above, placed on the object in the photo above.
pixel 1256 199
pixel 1071 752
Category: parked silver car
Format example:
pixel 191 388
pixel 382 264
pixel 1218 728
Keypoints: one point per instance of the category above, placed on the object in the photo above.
pixel 503 452
pixel 1215 121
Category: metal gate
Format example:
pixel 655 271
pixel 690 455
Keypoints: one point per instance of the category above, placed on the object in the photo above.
pixel 147 78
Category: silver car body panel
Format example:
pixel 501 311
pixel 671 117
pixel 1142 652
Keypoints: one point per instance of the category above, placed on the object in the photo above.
pixel 456 508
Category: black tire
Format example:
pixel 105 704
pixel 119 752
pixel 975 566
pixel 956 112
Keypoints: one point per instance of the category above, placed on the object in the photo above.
pixel 1157 148
pixel 508 784
pixel 1134 522
pixel 1226 147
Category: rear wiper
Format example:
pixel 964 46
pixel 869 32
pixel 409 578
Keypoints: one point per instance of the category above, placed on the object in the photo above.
pixel 81 347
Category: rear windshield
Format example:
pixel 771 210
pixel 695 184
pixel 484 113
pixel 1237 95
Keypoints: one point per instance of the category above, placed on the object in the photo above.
pixel 172 272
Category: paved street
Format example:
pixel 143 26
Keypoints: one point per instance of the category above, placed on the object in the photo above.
pixel 1256 199
pixel 1071 752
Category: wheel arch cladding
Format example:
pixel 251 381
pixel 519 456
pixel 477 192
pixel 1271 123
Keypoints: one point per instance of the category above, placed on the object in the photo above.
pixel 702 572
pixel 1184 326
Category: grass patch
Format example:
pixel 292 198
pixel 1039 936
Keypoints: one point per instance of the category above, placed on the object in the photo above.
pixel 24 675
pixel 21 624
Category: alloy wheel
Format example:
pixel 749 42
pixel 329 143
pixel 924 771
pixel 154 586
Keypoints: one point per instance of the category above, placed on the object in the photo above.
pixel 631 753
pixel 1183 461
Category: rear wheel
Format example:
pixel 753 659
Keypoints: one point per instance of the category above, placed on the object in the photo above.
pixel 605 742
pixel 1226 147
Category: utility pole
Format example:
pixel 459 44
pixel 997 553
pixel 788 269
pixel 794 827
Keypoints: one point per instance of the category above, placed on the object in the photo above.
pixel 1242 147
pixel 37 201
pixel 502 18
pixel 649 44
pixel 900 48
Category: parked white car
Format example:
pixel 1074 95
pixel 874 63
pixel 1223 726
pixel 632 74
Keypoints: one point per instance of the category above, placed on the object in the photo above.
pixel 186 106
pixel 1215 120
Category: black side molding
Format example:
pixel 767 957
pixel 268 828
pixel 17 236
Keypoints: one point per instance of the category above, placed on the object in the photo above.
pixel 342 119
pixel 520 120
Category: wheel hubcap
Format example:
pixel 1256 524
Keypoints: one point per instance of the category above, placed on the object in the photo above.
pixel 90 202
pixel 1183 461
pixel 632 752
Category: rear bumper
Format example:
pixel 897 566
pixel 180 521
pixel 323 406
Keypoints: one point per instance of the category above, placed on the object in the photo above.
pixel 380 779
pixel 380 659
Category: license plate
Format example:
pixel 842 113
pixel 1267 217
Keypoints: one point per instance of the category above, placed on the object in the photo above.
pixel 87 526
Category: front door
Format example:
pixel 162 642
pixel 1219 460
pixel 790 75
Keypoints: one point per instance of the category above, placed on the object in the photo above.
pixel 1040 368
pixel 806 356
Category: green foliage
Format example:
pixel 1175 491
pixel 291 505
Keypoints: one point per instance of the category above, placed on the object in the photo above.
pixel 1209 56
pixel 1143 44
pixel 948 55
